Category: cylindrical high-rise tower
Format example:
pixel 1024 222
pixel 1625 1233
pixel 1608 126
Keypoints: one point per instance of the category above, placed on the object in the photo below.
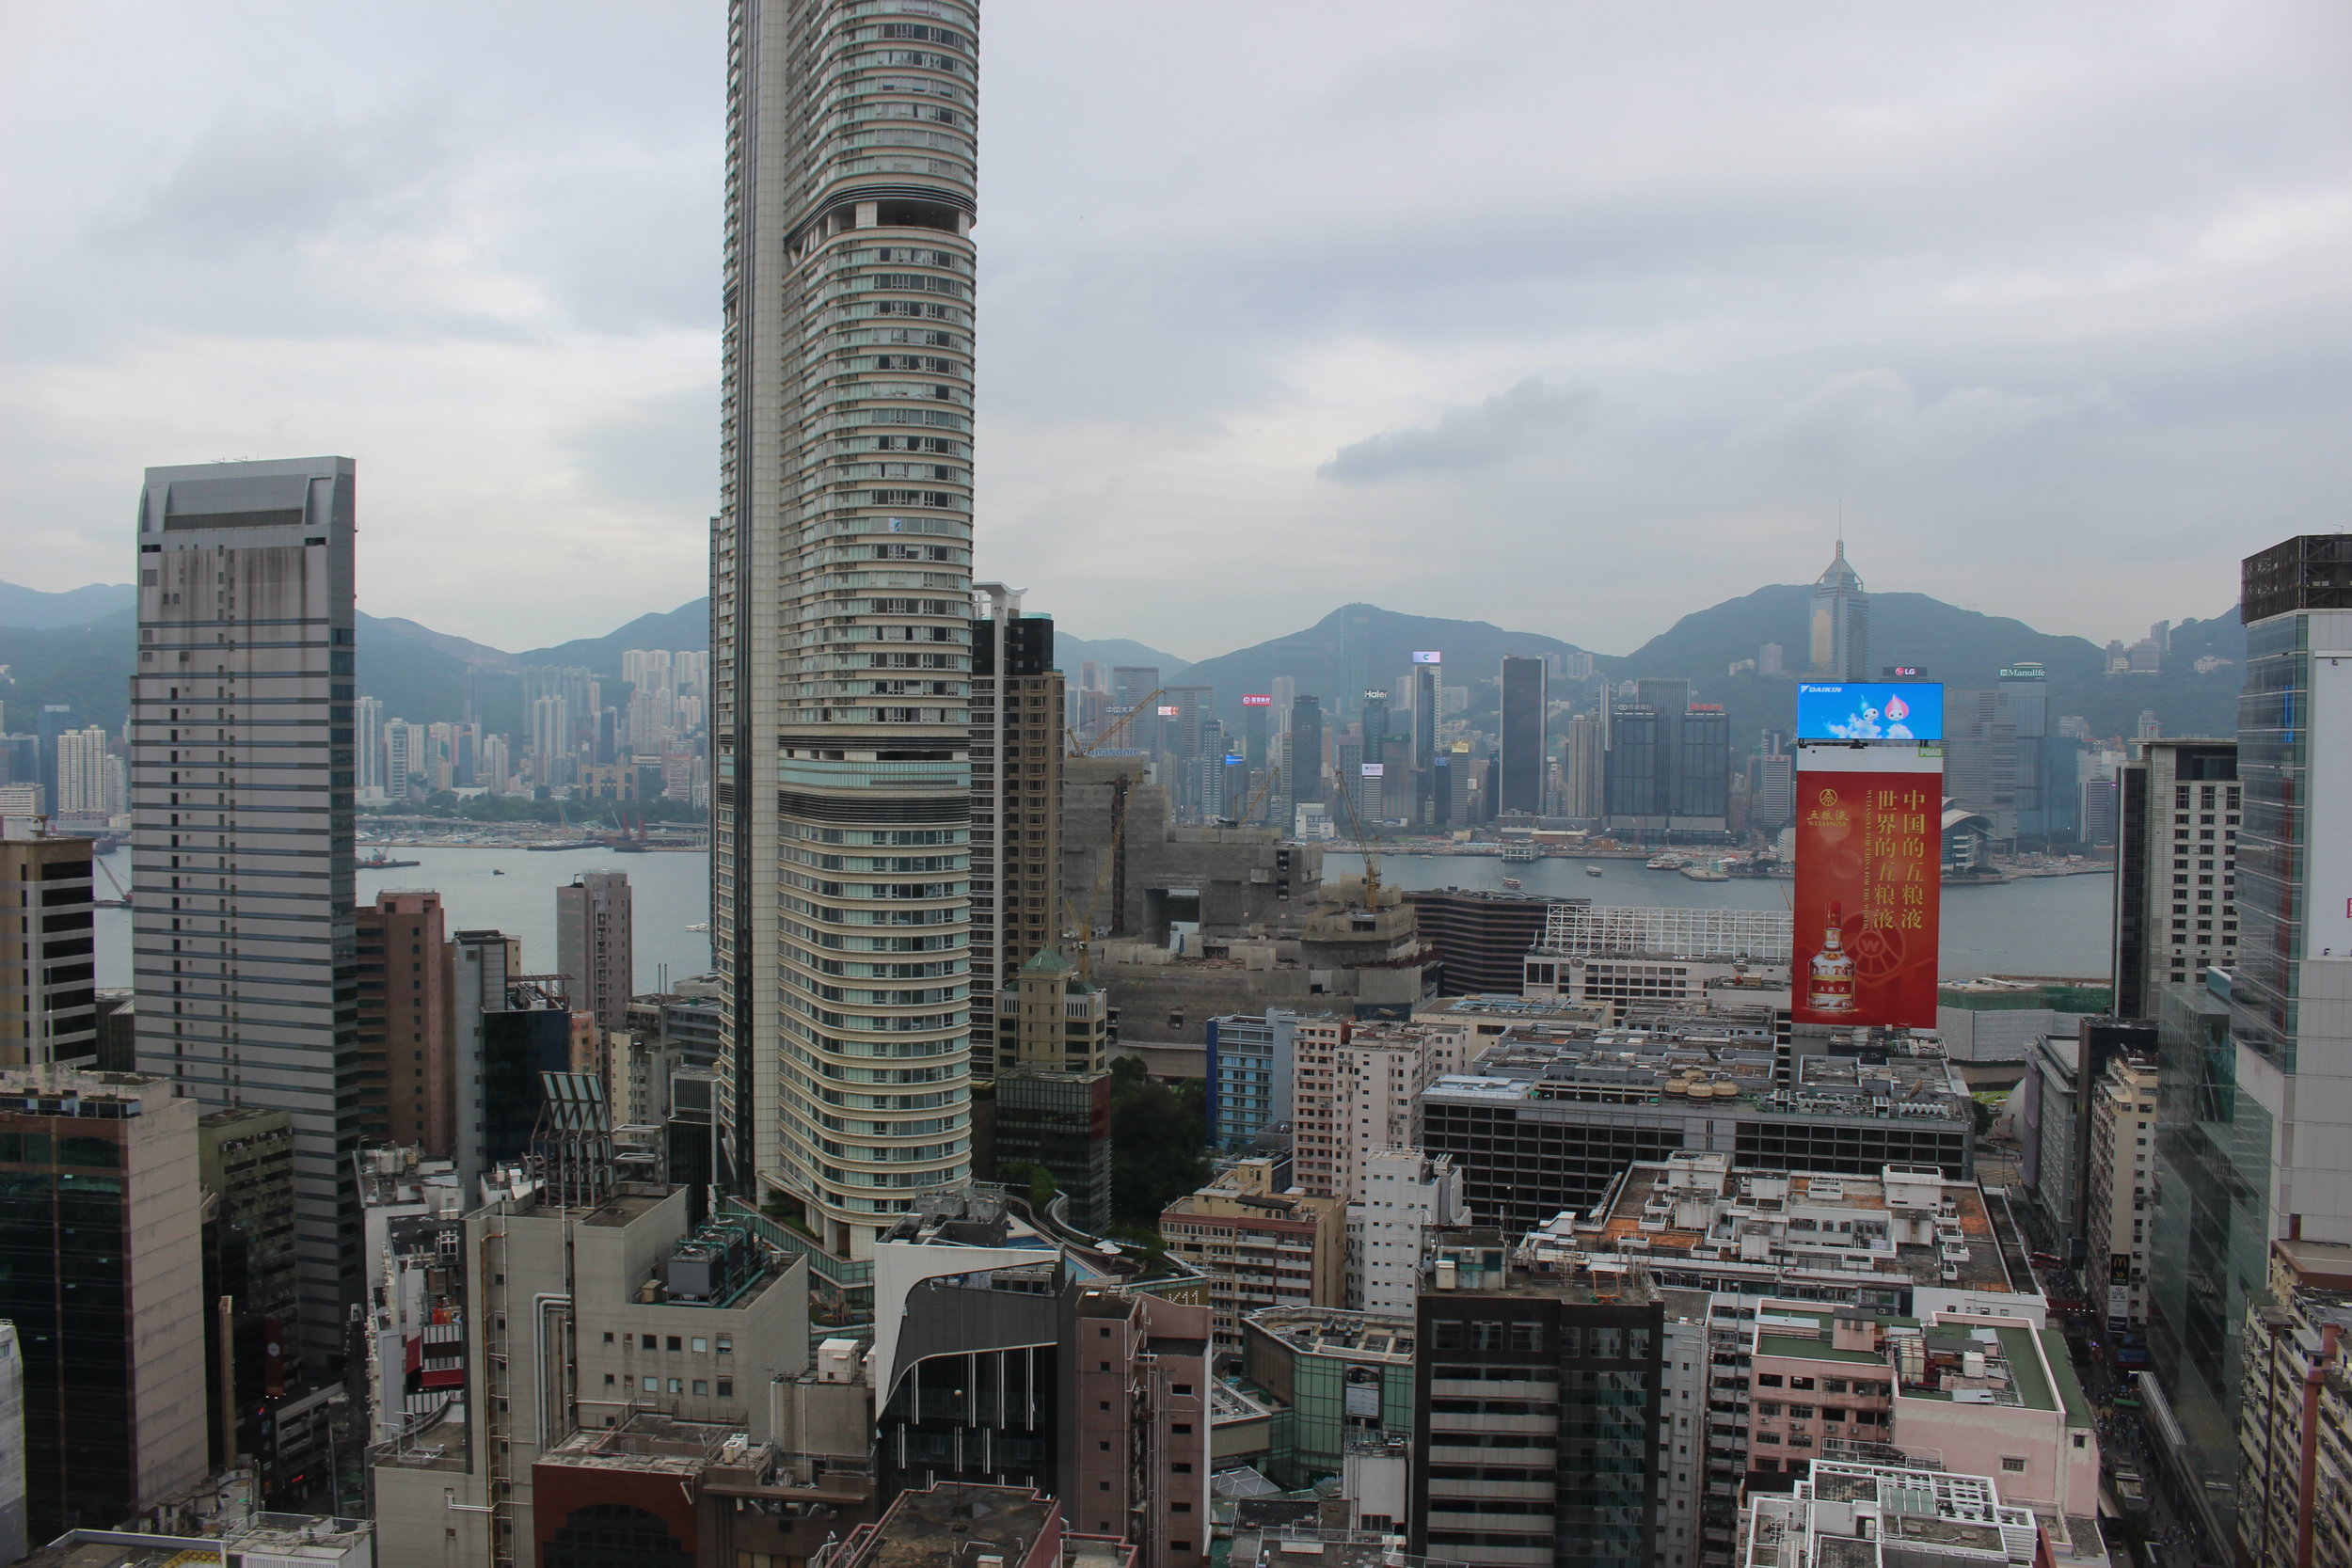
pixel 841 570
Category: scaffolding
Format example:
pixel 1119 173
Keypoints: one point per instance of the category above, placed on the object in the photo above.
pixel 1758 936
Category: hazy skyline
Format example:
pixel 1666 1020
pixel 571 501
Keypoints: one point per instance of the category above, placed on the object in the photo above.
pixel 1571 318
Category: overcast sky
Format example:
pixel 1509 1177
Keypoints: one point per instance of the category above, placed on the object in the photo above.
pixel 1570 316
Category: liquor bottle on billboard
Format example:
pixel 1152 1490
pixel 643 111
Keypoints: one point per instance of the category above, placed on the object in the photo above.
pixel 1829 987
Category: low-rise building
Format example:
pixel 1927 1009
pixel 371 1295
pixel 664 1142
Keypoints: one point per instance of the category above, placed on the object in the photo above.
pixel 1338 1378
pixel 1846 1515
pixel 1259 1247
pixel 959 1523
pixel 279 1540
pixel 1547 1118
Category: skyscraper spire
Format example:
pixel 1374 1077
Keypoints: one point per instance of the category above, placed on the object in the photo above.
pixel 1841 621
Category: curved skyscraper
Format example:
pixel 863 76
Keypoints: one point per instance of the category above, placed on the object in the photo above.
pixel 1841 622
pixel 841 574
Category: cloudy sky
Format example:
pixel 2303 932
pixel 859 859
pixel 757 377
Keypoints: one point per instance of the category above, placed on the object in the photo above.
pixel 1570 315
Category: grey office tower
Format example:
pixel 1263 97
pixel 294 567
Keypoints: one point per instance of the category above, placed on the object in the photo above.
pixel 242 768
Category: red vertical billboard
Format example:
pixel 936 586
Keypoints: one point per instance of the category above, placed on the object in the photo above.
pixel 1869 860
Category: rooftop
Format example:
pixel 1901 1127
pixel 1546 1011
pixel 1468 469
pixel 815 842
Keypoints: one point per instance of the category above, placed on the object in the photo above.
pixel 1328 1331
pixel 1697 1213
pixel 950 1524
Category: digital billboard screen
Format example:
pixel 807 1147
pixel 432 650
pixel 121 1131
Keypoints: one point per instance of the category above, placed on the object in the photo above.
pixel 1430 657
pixel 1376 769
pixel 1257 699
pixel 1871 710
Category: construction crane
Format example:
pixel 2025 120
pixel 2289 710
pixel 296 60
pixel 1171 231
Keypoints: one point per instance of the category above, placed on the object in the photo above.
pixel 1368 842
pixel 1257 798
pixel 1089 748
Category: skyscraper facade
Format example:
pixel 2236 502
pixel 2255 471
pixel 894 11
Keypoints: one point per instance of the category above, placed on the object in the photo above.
pixel 242 783
pixel 1521 774
pixel 1841 622
pixel 48 996
pixel 404 1034
pixel 841 618
pixel 2253 1086
pixel 1016 805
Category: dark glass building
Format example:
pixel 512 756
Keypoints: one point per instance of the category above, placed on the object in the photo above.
pixel 1520 773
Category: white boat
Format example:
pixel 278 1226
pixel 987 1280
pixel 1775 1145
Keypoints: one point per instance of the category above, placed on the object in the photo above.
pixel 700 926
pixel 1512 884
pixel 1667 861
pixel 1592 871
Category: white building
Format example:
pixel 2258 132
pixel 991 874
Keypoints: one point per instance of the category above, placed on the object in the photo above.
pixel 82 773
pixel 1406 1194
pixel 2119 1208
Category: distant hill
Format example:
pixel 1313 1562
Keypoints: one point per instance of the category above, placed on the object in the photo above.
pixel 1070 652
pixel 1963 649
pixel 1315 657
pixel 687 628
pixel 36 609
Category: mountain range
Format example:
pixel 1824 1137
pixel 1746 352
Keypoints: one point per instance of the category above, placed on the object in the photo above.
pixel 77 648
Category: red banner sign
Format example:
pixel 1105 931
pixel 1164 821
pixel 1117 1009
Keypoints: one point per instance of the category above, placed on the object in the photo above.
pixel 1869 855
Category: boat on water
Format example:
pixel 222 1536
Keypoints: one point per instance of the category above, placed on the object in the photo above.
pixel 1667 861
pixel 1706 871
pixel 1512 884
pixel 1592 871
pixel 496 872
pixel 564 844
pixel 381 862
pixel 700 926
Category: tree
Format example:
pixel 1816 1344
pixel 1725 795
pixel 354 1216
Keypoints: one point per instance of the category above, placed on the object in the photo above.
pixel 1159 1133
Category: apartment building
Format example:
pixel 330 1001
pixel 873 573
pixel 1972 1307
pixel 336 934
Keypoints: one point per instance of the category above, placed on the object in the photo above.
pixel 1259 1246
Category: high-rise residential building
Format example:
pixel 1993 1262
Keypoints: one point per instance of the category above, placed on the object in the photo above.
pixel 100 1199
pixel 1016 804
pixel 1407 1195
pixel 2177 868
pixel 48 994
pixel 840 719
pixel 404 1034
pixel 82 759
pixel 241 784
pixel 2120 1183
pixel 1352 1091
pixel 2294 1488
pixel 56 720
pixel 594 929
pixel 2246 1148
pixel 403 748
pixel 367 739
pixel 1583 766
pixel 1053 1090
pixel 1841 622
pixel 1246 1077
pixel 1522 773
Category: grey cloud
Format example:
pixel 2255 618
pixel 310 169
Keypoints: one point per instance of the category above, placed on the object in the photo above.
pixel 1532 418
pixel 659 450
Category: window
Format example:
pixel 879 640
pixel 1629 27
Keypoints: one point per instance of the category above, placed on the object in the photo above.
pixel 675 1344
pixel 1181 1429
pixel 1800 1383
pixel 648 1340
pixel 726 1344
pixel 608 1380
pixel 675 1387
pixel 727 1387
pixel 1184 1388
pixel 1446 1334
pixel 1179 1508
pixel 2011 1465
pixel 608 1336
pixel 1101 1486
pixel 1768 1380
pixel 653 1385
pixel 702 1387
pixel 1103 1333
pixel 1527 1336
pixel 1833 1385
pixel 701 1345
